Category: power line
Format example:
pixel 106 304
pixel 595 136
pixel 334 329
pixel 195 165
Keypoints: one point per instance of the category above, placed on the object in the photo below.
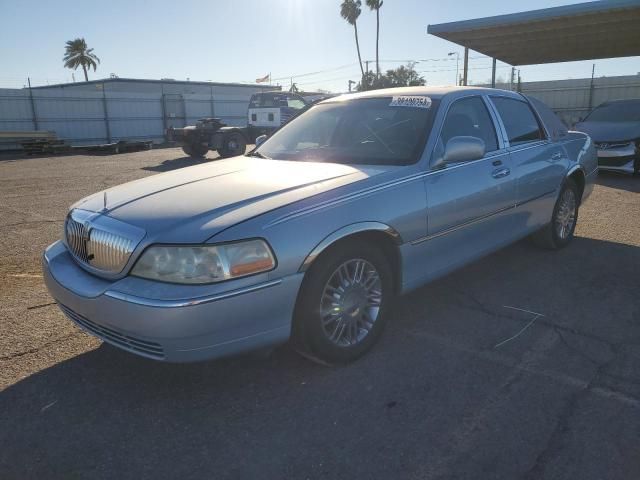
pixel 353 64
pixel 315 73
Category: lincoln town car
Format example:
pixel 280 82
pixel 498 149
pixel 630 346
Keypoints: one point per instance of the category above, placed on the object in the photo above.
pixel 309 237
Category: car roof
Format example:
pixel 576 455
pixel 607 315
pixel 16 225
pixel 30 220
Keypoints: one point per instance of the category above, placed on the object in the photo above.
pixel 433 92
pixel 625 100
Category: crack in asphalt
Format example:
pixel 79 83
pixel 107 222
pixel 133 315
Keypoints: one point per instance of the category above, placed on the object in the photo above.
pixel 573 349
pixel 34 307
pixel 29 222
pixel 15 355
pixel 594 385
pixel 555 442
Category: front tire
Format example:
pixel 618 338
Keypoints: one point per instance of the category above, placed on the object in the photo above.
pixel 343 304
pixel 195 150
pixel 559 232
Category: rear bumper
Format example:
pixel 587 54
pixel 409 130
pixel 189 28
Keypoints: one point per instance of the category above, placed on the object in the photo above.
pixel 182 330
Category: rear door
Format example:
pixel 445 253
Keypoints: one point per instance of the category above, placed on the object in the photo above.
pixel 469 203
pixel 539 163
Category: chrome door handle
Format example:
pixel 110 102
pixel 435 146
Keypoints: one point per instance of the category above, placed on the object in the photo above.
pixel 556 156
pixel 500 173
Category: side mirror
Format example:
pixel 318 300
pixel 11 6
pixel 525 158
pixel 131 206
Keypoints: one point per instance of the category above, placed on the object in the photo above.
pixel 461 149
pixel 260 140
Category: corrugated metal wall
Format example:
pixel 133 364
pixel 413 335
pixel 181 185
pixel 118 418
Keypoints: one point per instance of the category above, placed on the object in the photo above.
pixel 101 113
pixel 573 99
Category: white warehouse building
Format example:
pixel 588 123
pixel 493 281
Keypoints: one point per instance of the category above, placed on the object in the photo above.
pixel 112 109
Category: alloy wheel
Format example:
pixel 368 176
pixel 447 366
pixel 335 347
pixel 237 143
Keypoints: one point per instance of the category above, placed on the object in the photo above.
pixel 351 302
pixel 566 216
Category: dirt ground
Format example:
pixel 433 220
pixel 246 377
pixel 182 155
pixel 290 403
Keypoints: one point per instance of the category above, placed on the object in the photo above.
pixel 441 396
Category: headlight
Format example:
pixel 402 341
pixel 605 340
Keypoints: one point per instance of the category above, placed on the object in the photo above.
pixel 204 263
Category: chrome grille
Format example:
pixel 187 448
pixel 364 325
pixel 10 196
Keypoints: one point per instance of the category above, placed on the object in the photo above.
pixel 100 249
pixel 115 337
pixel 77 238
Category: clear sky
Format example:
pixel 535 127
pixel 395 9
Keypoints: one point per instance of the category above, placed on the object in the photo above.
pixel 241 40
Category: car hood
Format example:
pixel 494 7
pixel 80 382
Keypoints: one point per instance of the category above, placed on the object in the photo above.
pixel 610 131
pixel 192 204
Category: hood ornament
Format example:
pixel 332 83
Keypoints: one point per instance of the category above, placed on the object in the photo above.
pixel 104 199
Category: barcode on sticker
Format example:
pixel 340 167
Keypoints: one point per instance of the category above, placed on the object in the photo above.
pixel 417 101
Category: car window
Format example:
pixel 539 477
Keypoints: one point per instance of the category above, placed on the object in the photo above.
pixel 375 131
pixel 519 120
pixel 469 117
pixel 267 100
pixel 556 129
pixel 295 103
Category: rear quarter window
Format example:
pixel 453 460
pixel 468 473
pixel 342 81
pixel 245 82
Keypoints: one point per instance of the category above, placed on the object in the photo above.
pixel 520 122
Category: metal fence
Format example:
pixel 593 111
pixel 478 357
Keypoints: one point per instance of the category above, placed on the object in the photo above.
pixel 574 99
pixel 102 116
pixel 82 117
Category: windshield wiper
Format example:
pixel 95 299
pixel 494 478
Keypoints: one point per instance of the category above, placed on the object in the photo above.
pixel 258 155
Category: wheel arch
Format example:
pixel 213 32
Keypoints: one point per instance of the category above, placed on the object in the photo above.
pixel 228 130
pixel 385 236
pixel 578 176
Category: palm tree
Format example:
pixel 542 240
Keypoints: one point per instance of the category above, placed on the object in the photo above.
pixel 77 54
pixel 375 5
pixel 350 10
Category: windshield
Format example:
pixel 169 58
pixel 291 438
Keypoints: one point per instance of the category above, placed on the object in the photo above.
pixel 618 112
pixel 374 131
pixel 276 100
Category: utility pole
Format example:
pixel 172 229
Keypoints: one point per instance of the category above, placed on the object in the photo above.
pixel 592 86
pixel 513 78
pixel 465 80
pixel 519 82
pixel 106 113
pixel 33 105
pixel 493 74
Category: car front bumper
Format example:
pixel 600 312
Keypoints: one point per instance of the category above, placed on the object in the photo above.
pixel 618 159
pixel 173 329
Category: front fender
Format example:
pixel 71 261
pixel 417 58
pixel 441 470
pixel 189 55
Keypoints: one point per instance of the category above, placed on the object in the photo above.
pixel 346 231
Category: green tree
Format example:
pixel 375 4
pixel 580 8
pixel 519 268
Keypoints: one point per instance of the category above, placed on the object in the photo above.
pixel 77 54
pixel 375 5
pixel 403 76
pixel 350 10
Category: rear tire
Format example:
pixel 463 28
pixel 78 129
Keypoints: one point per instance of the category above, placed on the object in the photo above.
pixel 558 233
pixel 195 150
pixel 343 304
pixel 234 145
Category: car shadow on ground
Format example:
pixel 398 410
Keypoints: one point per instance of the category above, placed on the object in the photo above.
pixel 181 162
pixel 620 181
pixel 106 413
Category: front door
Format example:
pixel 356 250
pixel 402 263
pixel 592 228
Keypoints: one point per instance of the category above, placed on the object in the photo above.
pixel 469 204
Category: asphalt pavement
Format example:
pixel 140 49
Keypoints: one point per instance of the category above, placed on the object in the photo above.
pixel 523 365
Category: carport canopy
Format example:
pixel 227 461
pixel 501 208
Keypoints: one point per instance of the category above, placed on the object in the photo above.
pixel 585 31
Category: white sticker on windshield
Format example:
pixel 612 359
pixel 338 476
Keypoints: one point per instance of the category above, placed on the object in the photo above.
pixel 417 101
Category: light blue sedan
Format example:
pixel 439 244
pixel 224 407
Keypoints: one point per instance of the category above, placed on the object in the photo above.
pixel 311 235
